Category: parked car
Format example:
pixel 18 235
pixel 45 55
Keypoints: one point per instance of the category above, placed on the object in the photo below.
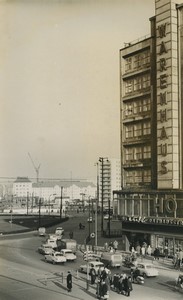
pixel 59 231
pixel 53 236
pixel 42 231
pixel 69 255
pixel 90 220
pixel 146 269
pixel 55 258
pixel 95 264
pixel 45 249
pixel 107 217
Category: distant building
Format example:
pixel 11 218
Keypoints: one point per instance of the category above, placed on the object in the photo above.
pixel 109 180
pixel 150 203
pixel 23 188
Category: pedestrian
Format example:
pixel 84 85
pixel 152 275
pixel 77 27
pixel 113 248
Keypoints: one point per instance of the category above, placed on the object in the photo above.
pixel 115 245
pixel 106 246
pixel 156 254
pixel 71 234
pixel 143 251
pixel 138 250
pixel 130 288
pixel 149 250
pixel 125 285
pixel 93 275
pixel 104 274
pixel 166 252
pixel 69 281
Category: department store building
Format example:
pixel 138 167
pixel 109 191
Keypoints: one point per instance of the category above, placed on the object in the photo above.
pixel 150 203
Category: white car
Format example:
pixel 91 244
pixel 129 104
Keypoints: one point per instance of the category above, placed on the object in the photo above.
pixel 90 220
pixel 107 217
pixel 59 231
pixel 45 249
pixel 54 236
pixel 55 258
pixel 69 255
pixel 146 269
pixel 95 264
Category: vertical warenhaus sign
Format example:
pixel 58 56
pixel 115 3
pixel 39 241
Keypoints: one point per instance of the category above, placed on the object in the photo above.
pixel 167 95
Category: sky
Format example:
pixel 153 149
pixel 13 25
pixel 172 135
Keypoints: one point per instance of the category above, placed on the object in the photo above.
pixel 59 83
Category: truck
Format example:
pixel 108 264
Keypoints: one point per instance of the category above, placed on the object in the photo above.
pixel 42 231
pixel 111 259
pixel 53 243
pixel 68 244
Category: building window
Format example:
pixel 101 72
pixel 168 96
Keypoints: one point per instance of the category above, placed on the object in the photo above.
pixel 147 176
pixel 146 128
pixel 129 131
pixel 142 60
pixel 146 81
pixel 128 64
pixel 146 104
pixel 137 84
pixel 147 152
pixel 128 154
pixel 128 86
pixel 138 177
pixel 137 153
pixel 138 130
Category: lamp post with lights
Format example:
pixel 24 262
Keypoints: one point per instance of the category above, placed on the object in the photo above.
pixel 101 160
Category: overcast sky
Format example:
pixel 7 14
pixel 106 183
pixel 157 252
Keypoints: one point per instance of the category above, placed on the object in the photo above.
pixel 59 82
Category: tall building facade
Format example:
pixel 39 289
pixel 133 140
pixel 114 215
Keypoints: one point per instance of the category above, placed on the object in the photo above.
pixel 150 203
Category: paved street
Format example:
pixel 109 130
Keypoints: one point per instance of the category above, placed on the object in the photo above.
pixel 23 274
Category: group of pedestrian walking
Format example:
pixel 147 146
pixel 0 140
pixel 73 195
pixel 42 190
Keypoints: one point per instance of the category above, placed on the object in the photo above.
pixel 122 284
pixel 178 260
pixel 103 283
pixel 112 247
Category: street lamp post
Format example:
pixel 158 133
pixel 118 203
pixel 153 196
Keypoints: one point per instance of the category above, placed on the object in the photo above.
pixel 96 208
pixel 39 212
pixel 109 221
pixel 27 203
pixel 61 202
pixel 89 217
pixel 101 159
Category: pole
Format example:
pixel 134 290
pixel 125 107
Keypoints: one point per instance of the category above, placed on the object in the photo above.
pixel 61 203
pixel 11 211
pixel 89 217
pixel 39 212
pixel 27 203
pixel 32 201
pixel 102 198
pixel 49 204
pixel 96 209
pixel 109 203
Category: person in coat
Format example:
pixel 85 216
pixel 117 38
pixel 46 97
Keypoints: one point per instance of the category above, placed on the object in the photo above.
pixel 69 281
pixel 93 275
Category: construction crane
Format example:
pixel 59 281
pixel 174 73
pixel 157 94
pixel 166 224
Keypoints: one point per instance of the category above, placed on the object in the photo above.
pixel 36 168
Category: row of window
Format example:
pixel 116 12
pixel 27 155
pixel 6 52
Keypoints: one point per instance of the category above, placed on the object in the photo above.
pixel 137 176
pixel 136 153
pixel 137 61
pixel 137 107
pixel 137 130
pixel 137 84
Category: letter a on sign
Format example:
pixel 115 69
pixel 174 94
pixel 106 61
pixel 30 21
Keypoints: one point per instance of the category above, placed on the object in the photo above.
pixel 162 48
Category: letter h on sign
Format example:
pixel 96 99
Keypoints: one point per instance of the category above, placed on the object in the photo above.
pixel 158 205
